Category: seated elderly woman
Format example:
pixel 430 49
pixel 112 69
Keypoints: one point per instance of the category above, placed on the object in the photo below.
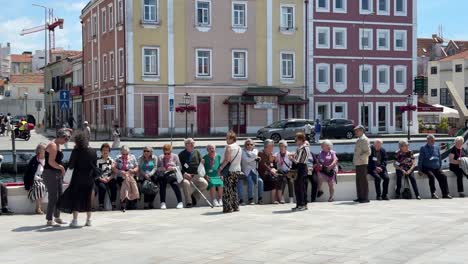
pixel 211 162
pixel 147 176
pixel 405 164
pixel 456 153
pixel 126 169
pixel 249 168
pixel 168 164
pixel 267 170
pixel 284 165
pixel 327 167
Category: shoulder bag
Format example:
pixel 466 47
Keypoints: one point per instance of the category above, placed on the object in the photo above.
pixel 225 170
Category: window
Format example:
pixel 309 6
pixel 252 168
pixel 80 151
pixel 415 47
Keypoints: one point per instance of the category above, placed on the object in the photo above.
pixel 95 26
pixel 121 63
pixel 239 64
pixel 95 70
pixel 322 77
pixel 365 78
pixel 339 77
pixel 150 11
pixel 365 39
pixel 89 73
pixel 434 70
pixel 111 65
pixel 458 68
pixel 104 21
pixel 365 7
pixel 90 31
pixel 400 7
pixel 383 39
pixel 322 36
pixel 120 17
pixel 399 37
pixel 150 61
pixel 287 65
pixel 203 13
pixel 104 67
pixel 322 5
pixel 400 78
pixel 383 78
pixel 434 93
pixel 445 98
pixel 339 38
pixel 339 6
pixel 111 17
pixel 287 18
pixel 203 63
pixel 383 7
pixel 239 10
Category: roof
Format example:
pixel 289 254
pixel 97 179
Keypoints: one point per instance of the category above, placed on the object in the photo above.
pixel 27 78
pixel 265 91
pixel 424 46
pixel 461 55
pixel 21 58
pixel 291 100
pixel 68 53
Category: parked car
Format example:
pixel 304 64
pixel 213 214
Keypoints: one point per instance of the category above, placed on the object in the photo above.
pixel 337 128
pixel 284 129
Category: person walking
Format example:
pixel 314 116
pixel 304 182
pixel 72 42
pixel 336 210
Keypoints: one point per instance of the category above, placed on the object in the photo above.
pixel 377 168
pixel 116 137
pixel 361 160
pixel 430 163
pixel 9 127
pixel 299 160
pixel 71 120
pixel 54 171
pixel 87 130
pixel 33 182
pixel 79 195
pixel 230 170
pixel 455 155
pixel 308 131
pixel 317 130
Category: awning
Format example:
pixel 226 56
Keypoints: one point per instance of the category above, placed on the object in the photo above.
pixel 422 107
pixel 291 100
pixel 235 99
pixel 265 91
pixel 448 112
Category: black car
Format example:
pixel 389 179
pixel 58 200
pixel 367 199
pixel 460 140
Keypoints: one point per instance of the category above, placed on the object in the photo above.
pixel 337 128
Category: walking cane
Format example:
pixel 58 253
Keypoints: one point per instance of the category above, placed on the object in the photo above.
pixel 201 193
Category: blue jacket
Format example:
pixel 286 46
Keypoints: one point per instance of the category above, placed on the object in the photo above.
pixel 429 157
pixel 318 127
pixel 372 165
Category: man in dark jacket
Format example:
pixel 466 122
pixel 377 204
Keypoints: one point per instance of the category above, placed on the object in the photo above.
pixel 377 168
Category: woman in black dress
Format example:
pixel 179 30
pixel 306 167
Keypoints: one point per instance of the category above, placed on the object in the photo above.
pixel 78 196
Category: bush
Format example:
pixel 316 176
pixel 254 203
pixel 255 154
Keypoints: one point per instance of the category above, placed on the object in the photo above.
pixel 421 125
pixel 443 125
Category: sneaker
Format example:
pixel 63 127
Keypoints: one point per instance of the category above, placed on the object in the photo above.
pixel 251 201
pixel 6 211
pixel 88 222
pixel 379 198
pixel 282 201
pixel 331 199
pixel 291 200
pixel 60 221
pixel 447 196
pixel 180 205
pixel 215 203
pixel 74 223
pixel 418 197
pixel 260 201
pixel 320 193
pixel 241 202
pixel 301 208
pixel 275 202
pixel 189 205
pixel 434 196
pixel 385 198
pixel 101 207
pixel 163 206
pixel 220 202
pixel 51 223
pixel 462 195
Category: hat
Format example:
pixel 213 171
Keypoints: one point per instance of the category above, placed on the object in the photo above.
pixel 85 122
pixel 360 127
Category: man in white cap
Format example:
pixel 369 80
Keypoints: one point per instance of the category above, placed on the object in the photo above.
pixel 87 130
pixel 360 160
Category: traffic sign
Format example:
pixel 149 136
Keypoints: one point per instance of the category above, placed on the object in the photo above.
pixel 109 107
pixel 64 105
pixel 171 105
pixel 65 95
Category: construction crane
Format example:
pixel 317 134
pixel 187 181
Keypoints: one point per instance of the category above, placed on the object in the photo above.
pixel 51 24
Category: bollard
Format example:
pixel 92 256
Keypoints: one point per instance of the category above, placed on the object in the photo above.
pixel 13 149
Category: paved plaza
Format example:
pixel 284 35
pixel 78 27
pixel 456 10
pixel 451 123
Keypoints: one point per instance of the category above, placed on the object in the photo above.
pixel 426 231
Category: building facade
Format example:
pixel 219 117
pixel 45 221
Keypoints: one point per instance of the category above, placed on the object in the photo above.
pixel 239 62
pixel 363 59
pixel 5 60
pixel 21 63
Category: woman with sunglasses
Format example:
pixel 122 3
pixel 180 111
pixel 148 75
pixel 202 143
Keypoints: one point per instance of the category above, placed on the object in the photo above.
pixel 168 163
pixel 53 174
pixel 148 165
pixel 249 162
pixel 126 167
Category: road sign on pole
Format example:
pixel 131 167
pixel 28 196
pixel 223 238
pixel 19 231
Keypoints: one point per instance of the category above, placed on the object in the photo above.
pixel 64 105
pixel 171 105
pixel 65 95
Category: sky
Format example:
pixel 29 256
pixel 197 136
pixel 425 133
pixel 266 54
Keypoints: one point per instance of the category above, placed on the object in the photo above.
pixel 18 14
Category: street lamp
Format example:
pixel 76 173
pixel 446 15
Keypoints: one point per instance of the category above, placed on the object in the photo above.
pixel 409 102
pixel 187 100
pixel 26 103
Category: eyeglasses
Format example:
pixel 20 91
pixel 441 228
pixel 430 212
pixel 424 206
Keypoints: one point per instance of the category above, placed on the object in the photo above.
pixel 146 151
pixel 167 154
pixel 249 144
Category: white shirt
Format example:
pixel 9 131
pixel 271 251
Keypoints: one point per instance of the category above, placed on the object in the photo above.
pixel 284 163
pixel 248 161
pixel 235 160
pixel 308 129
pixel 40 170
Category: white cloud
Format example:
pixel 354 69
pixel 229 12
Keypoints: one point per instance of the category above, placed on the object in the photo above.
pixel 73 7
pixel 10 30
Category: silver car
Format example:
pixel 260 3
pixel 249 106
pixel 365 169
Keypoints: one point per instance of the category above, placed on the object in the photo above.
pixel 284 129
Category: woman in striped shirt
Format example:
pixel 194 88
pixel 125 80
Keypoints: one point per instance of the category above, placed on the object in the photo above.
pixel 300 162
pixel 106 182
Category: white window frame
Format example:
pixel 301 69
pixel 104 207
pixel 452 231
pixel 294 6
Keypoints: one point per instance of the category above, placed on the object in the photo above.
pixel 405 40
pixel 325 30
pixel 405 8
pixel 90 30
pixel 143 62
pixel 210 66
pixel 283 25
pixel 90 76
pixel 322 9
pixel 367 86
pixel 233 24
pixel 110 7
pixel 322 86
pixel 288 78
pixel 343 10
pixel 156 14
pixel 371 114
pixel 121 60
pixel 327 106
pixel 383 12
pixel 387 33
pixel 104 20
pixel 345 37
pixel 245 76
pixel 400 87
pixel 209 17
pixel 385 86
pixel 95 26
pixel 95 70
pixel 120 12
pixel 403 117
pixel 370 33
pixel 345 109
pixel 366 12
pixel 105 63
pixel 111 65
pixel 387 116
pixel 340 87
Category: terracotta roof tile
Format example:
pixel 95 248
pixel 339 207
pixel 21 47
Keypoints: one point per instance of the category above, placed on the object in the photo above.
pixel 27 78
pixel 461 55
pixel 21 58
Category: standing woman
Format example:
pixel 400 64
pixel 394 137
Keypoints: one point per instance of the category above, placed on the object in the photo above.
pixel 300 162
pixel 33 182
pixel 148 166
pixel 79 195
pixel 53 175
pixel 456 153
pixel 116 137
pixel 232 158
pixel 211 162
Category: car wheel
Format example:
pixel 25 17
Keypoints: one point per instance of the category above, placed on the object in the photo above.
pixel 349 134
pixel 276 137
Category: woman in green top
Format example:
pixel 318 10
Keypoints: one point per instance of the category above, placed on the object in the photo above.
pixel 211 161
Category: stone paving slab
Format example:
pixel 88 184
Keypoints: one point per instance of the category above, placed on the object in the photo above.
pixel 414 232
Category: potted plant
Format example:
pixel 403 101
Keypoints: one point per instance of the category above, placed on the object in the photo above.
pixel 443 126
pixel 421 126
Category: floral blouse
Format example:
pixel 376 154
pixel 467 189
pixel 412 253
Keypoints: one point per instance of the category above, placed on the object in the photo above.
pixel 404 160
pixel 127 164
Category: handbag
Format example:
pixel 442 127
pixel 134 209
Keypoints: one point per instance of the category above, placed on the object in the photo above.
pixel 225 170
pixel 201 170
pixel 406 194
pixel 149 188
pixel 68 176
pixel 178 174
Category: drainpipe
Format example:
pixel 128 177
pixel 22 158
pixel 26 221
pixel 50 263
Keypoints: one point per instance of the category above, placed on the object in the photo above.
pixel 306 54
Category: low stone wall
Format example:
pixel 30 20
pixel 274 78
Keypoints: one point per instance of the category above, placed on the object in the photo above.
pixel 345 191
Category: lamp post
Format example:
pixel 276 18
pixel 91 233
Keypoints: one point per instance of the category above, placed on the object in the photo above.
pixel 187 100
pixel 409 102
pixel 26 104
pixel 51 103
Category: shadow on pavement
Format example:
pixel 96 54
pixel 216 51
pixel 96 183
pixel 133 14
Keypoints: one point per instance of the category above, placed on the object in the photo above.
pixel 283 212
pixel 347 203
pixel 213 213
pixel 40 228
